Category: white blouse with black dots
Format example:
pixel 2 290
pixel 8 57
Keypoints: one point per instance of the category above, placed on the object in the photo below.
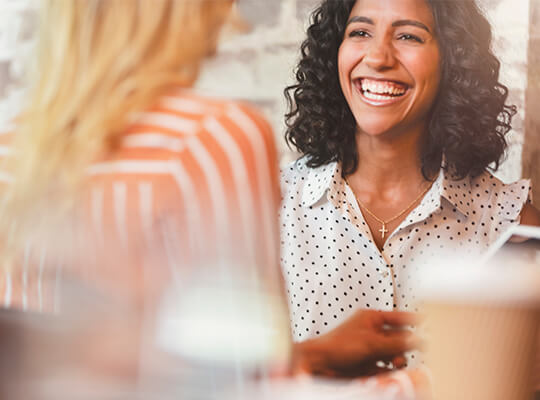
pixel 331 265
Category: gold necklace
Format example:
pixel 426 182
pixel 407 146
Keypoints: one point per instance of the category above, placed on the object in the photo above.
pixel 383 230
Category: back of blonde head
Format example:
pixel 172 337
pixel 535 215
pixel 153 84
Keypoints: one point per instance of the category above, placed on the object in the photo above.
pixel 97 62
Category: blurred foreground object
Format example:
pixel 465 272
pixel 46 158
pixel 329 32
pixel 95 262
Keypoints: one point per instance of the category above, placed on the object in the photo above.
pixel 76 354
pixel 482 322
pixel 138 220
pixel 102 347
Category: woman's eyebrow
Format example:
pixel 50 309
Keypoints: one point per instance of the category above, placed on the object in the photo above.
pixel 405 22
pixel 361 19
pixel 401 22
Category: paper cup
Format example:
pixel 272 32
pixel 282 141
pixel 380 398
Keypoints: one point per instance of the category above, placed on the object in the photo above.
pixel 481 330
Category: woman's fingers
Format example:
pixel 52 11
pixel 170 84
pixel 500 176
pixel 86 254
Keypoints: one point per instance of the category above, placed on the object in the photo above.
pixel 395 342
pixel 356 345
pixel 398 318
pixel 367 368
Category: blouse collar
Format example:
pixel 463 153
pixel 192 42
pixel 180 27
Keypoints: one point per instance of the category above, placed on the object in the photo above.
pixel 327 180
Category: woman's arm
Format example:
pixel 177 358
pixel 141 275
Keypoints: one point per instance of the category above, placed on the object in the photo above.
pixel 530 215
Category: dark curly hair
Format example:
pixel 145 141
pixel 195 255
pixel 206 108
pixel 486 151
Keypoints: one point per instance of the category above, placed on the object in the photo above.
pixel 468 121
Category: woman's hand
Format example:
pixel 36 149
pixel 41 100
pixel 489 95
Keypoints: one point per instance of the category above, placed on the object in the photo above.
pixel 356 347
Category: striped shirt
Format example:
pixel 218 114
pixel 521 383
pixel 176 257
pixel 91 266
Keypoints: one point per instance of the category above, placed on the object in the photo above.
pixel 192 186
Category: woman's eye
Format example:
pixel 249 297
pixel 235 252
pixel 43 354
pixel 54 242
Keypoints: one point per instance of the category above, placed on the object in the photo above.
pixel 409 37
pixel 358 33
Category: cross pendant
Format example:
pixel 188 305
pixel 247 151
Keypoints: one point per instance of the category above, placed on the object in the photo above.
pixel 383 231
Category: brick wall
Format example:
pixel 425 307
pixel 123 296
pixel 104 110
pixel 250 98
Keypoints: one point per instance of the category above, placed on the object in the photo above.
pixel 16 34
pixel 258 65
pixel 510 21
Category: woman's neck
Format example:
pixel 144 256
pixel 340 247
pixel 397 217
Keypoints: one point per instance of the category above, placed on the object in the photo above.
pixel 387 164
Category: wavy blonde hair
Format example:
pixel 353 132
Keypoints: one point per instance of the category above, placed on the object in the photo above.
pixel 97 61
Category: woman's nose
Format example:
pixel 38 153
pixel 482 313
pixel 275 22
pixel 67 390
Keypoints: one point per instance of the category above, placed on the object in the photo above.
pixel 380 55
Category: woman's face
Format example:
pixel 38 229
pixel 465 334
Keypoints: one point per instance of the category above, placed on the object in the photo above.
pixel 389 65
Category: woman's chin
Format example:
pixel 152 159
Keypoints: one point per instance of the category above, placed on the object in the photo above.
pixel 372 124
pixel 385 129
pixel 374 131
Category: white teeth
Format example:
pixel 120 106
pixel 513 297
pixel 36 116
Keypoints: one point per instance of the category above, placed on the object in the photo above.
pixel 381 87
pixel 372 96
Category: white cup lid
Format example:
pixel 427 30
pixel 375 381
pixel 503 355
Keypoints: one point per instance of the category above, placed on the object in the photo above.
pixel 480 284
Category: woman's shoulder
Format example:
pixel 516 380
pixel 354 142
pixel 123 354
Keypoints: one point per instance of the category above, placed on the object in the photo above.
pixel 294 179
pixel 507 200
pixel 295 172
pixel 488 184
pixel 302 184
pixel 240 111
pixel 298 174
pixel 183 111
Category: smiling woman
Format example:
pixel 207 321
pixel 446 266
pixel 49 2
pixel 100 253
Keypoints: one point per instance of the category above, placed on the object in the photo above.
pixel 399 113
pixel 388 67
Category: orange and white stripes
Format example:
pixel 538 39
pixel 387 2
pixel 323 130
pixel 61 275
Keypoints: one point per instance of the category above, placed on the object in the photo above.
pixel 193 181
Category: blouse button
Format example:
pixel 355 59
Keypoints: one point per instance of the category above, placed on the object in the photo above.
pixel 385 274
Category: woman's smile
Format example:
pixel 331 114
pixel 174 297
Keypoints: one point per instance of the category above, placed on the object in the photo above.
pixel 389 65
pixel 379 92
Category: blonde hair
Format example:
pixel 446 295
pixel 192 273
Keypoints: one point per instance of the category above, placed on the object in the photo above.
pixel 97 62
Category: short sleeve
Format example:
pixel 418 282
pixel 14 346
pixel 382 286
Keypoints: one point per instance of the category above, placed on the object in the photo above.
pixel 512 198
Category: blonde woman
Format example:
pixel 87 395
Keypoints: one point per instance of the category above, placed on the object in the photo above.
pixel 120 184
pixel 113 148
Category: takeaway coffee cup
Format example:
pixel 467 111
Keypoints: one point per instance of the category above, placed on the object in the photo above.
pixel 481 330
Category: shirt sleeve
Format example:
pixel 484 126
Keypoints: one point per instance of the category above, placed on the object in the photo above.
pixel 511 199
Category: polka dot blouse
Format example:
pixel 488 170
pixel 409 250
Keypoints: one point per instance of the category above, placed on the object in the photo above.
pixel 331 265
